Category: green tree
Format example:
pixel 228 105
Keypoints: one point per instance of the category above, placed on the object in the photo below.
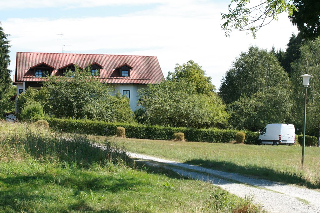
pixel 307 18
pixel 257 91
pixel 32 111
pixel 78 94
pixel 32 95
pixel 254 71
pixel 177 103
pixel 291 54
pixel 272 105
pixel 243 15
pixel 194 75
pixel 5 79
pixel 7 103
pixel 309 62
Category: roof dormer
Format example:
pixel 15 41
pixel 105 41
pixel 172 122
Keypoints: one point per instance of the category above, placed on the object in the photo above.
pixel 95 69
pixel 122 71
pixel 63 70
pixel 40 70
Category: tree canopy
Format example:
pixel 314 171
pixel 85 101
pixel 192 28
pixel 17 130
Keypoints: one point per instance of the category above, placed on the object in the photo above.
pixel 256 90
pixel 79 95
pixel 307 18
pixel 270 106
pixel 5 79
pixel 194 75
pixel 178 104
pixel 244 15
pixel 185 99
pixel 291 54
pixel 253 71
pixel 309 62
pixel 6 103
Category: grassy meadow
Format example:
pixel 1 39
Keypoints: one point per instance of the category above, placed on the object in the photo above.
pixel 278 163
pixel 44 171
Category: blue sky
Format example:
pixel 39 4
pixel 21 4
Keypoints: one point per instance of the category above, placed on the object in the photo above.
pixel 173 30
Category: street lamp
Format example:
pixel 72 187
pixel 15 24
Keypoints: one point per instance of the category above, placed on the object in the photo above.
pixel 306 79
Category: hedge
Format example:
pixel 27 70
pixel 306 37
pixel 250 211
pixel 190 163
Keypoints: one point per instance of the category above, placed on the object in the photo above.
pixel 148 132
pixel 310 140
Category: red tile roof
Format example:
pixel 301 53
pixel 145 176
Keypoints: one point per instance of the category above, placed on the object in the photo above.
pixel 144 69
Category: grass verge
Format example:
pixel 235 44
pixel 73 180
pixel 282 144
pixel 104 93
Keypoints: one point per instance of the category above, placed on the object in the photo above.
pixel 277 163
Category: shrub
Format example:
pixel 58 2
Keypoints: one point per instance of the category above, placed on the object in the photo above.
pixel 121 132
pixel 32 111
pixel 310 140
pixel 251 137
pixel 240 136
pixel 178 136
pixel 42 123
pixel 140 115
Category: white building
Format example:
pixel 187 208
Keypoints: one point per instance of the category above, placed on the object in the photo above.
pixel 127 73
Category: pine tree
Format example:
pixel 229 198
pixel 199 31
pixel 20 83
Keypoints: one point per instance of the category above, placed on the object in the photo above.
pixel 5 79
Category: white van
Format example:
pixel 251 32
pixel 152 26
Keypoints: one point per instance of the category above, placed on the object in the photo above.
pixel 277 134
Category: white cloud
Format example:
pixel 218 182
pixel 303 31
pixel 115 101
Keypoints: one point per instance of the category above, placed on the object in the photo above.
pixel 176 33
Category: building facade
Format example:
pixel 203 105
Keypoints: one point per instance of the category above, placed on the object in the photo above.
pixel 126 73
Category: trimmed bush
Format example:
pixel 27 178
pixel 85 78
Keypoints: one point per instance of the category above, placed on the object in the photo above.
pixel 251 137
pixel 178 136
pixel 121 132
pixel 240 136
pixel 310 140
pixel 42 123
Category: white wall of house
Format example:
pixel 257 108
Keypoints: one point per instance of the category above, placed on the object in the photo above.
pixel 133 88
pixel 20 87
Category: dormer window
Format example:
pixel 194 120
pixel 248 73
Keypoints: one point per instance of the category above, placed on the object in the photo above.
pixel 39 73
pixel 95 69
pixel 122 71
pixel 125 70
pixel 65 69
pixel 40 70
pixel 125 73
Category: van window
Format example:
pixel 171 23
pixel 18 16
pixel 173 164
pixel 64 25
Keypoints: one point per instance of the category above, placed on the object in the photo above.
pixel 263 131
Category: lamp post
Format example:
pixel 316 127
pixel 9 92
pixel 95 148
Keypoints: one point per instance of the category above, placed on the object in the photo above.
pixel 306 79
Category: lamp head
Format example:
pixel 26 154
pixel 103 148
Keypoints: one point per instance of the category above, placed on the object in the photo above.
pixel 306 79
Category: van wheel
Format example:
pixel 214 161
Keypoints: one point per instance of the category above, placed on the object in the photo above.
pixel 259 142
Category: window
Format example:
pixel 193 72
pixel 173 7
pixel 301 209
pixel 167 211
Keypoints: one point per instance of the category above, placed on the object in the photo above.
pixel 20 91
pixel 125 73
pixel 95 69
pixel 95 72
pixel 126 93
pixel 64 70
pixel 40 70
pixel 38 73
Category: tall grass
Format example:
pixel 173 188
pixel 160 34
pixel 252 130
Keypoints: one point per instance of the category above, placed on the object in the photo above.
pixel 45 145
pixel 42 171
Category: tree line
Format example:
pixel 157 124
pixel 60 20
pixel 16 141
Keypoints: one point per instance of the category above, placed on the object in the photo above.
pixel 261 87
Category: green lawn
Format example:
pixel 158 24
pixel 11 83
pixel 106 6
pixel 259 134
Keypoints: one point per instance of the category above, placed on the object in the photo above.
pixel 278 163
pixel 43 171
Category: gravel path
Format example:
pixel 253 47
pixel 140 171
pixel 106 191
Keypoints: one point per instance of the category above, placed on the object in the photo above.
pixel 272 196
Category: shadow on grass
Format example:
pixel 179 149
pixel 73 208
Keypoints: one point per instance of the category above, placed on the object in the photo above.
pixel 256 171
pixel 156 169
